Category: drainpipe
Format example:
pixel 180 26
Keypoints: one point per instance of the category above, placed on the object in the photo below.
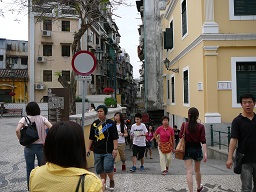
pixel 31 42
pixel 145 61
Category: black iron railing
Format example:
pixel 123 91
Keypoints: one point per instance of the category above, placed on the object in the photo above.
pixel 220 133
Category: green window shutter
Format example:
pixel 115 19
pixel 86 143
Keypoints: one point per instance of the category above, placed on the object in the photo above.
pixel 244 7
pixel 168 89
pixel 172 84
pixel 168 38
pixel 245 78
pixel 111 52
pixel 185 85
pixel 165 46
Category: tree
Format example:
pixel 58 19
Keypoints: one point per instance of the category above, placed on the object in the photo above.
pixel 87 11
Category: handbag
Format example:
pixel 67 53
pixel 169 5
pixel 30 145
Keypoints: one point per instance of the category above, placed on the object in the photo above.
pixel 28 134
pixel 80 182
pixel 239 157
pixel 180 149
pixel 167 146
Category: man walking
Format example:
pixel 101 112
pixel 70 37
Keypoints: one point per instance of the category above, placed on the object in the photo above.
pixel 243 133
pixel 103 137
pixel 138 133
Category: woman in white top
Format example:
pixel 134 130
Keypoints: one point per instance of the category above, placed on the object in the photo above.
pixel 36 148
pixel 122 132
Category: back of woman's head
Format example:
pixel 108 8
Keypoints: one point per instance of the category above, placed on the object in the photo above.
pixel 193 114
pixel 65 146
pixel 33 109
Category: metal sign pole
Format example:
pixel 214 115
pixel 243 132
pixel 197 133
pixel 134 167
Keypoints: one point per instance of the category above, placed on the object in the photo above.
pixel 83 101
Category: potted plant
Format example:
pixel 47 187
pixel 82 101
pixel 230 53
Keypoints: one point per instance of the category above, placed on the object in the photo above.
pixel 110 102
pixel 108 90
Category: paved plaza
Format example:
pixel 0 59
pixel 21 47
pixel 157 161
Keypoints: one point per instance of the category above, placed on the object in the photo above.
pixel 215 176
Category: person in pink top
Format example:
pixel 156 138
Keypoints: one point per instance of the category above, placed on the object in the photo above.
pixel 164 134
pixel 149 141
pixel 35 149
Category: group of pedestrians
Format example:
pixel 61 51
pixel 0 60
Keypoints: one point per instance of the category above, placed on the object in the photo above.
pixel 61 153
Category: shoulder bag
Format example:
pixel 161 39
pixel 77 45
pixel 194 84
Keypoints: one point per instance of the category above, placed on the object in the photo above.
pixel 28 134
pixel 180 149
pixel 167 146
pixel 80 182
pixel 239 157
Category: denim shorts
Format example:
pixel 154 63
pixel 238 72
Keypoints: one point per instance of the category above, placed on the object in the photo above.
pixel 149 145
pixel 194 153
pixel 104 163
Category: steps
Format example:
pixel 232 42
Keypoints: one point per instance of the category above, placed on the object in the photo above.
pixel 216 153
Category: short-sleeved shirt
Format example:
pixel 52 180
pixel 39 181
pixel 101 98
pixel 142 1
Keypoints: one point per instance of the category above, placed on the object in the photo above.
pixel 193 137
pixel 103 136
pixel 52 178
pixel 139 130
pixel 121 139
pixel 244 130
pixel 164 134
pixel 150 135
pixel 176 134
pixel 40 126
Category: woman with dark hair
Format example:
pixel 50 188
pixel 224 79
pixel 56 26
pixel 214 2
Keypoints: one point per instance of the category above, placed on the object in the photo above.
pixel 92 108
pixel 36 148
pixel 65 161
pixel 165 135
pixel 149 141
pixel 195 140
pixel 122 133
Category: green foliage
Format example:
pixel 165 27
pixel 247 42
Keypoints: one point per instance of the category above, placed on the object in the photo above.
pixel 110 102
pixel 79 99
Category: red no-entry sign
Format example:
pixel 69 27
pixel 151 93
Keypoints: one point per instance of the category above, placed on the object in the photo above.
pixel 84 63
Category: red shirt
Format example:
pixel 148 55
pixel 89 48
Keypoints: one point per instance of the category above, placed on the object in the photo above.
pixel 164 133
pixel 197 137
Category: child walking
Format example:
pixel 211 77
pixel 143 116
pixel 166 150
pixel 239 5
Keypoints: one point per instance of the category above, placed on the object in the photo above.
pixel 122 133
pixel 138 133
pixel 149 141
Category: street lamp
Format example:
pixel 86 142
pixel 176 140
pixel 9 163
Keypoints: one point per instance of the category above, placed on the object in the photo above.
pixel 99 54
pixel 167 66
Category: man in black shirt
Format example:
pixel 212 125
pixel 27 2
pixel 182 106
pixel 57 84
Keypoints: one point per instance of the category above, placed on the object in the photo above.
pixel 176 135
pixel 103 137
pixel 243 133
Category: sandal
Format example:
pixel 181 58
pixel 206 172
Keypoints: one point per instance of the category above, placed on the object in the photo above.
pixel 164 172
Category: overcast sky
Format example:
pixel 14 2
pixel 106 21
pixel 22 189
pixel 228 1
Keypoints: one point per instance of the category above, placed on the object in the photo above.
pixel 16 28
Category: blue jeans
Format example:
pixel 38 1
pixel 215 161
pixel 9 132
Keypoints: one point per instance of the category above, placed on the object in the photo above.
pixel 29 152
pixel 104 163
pixel 248 174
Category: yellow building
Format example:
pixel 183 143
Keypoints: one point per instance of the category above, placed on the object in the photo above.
pixel 210 53
pixel 13 71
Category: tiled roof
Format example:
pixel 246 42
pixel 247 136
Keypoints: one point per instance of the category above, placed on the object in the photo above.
pixel 18 73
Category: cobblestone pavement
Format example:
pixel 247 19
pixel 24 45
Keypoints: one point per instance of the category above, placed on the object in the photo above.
pixel 215 176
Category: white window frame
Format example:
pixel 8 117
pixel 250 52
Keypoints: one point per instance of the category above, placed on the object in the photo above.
pixel 185 104
pixel 239 18
pixel 234 60
pixel 186 34
pixel 173 103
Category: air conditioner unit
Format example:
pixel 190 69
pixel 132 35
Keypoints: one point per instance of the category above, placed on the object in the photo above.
pixel 40 59
pixel 89 38
pixel 46 33
pixel 39 86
